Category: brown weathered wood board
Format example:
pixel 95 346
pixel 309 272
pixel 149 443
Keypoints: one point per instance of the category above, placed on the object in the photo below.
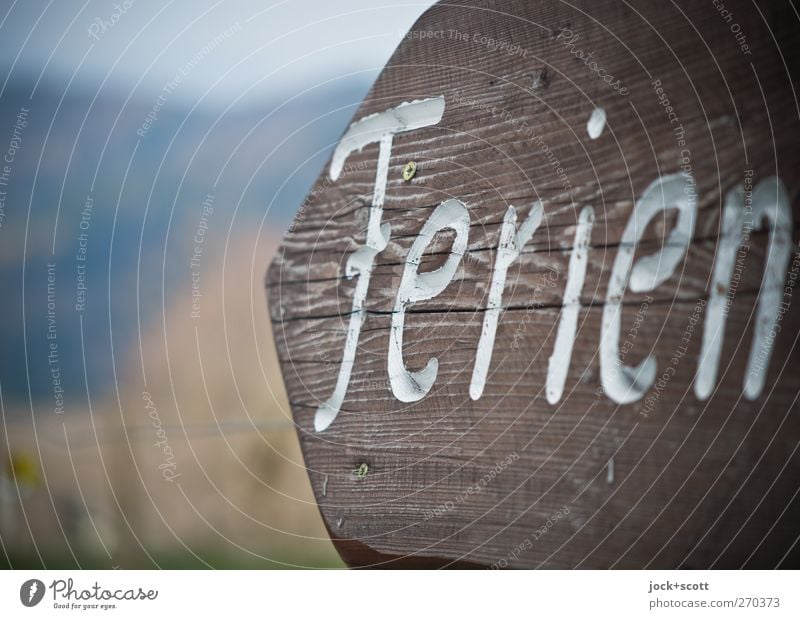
pixel 509 480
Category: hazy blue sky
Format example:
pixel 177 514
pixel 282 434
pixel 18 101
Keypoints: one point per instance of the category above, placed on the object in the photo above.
pixel 276 45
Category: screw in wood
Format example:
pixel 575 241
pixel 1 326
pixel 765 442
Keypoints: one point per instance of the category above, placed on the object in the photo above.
pixel 409 170
pixel 362 470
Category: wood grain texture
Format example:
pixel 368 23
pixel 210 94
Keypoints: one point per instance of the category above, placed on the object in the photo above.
pixel 509 480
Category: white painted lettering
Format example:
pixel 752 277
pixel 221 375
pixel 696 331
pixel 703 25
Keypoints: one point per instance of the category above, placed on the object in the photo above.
pixel 379 128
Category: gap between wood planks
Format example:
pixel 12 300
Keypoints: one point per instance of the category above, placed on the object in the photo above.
pixel 511 308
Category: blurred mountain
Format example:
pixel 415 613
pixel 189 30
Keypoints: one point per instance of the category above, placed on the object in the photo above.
pixel 106 193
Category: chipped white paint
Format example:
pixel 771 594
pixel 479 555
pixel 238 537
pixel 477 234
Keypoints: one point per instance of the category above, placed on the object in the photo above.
pixel 621 383
pixel 770 206
pixel 559 362
pixel 415 286
pixel 371 129
pixel 716 311
pixel 625 384
pixel 379 128
pixel 596 123
pixel 511 243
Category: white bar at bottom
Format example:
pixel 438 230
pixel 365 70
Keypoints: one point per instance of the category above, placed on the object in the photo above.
pixel 389 594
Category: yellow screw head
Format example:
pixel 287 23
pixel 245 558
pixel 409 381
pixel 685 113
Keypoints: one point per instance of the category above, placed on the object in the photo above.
pixel 409 170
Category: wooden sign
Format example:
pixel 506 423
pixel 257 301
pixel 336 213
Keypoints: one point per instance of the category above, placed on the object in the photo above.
pixel 539 309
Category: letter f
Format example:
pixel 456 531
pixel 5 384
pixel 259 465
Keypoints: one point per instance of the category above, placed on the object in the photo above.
pixel 379 128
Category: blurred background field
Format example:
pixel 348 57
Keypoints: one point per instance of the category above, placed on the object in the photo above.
pixel 144 426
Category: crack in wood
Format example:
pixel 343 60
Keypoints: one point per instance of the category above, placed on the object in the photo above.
pixel 590 305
